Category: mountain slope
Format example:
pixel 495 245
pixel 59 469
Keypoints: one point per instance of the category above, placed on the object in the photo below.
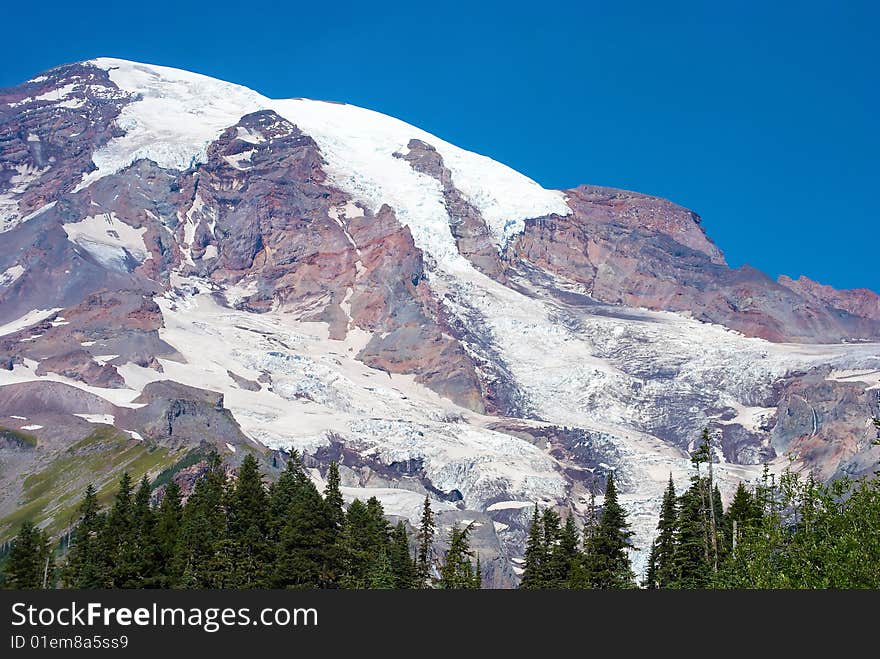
pixel 358 289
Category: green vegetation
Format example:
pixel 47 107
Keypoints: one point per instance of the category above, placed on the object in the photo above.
pixel 239 534
pixel 50 496
pixel 22 439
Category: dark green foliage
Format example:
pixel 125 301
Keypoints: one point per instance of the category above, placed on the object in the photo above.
pixel 427 529
pixel 86 563
pixel 148 559
pixel 662 571
pixel 203 558
pixel 533 564
pixel 29 563
pixel 168 523
pixel 118 540
pixel 402 566
pixel 304 544
pixel 247 528
pixel 692 564
pixel 606 556
pixel 457 571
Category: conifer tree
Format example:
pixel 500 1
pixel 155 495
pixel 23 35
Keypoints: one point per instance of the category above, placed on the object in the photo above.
pixel 692 566
pixel 168 521
pixel 203 556
pixel 147 560
pixel 304 551
pixel 86 566
pixel 533 560
pixel 119 539
pixel 427 529
pixel 564 556
pixel 457 572
pixel 661 563
pixel 29 563
pixel 248 527
pixel 402 566
pixel 612 567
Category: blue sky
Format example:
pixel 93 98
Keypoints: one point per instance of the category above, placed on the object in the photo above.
pixel 761 117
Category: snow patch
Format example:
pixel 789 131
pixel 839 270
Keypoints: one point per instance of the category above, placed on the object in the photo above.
pixel 11 275
pixel 112 242
pixel 107 419
pixel 31 427
pixel 30 318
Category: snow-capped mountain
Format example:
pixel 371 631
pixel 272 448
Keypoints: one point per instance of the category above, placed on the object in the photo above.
pixel 187 262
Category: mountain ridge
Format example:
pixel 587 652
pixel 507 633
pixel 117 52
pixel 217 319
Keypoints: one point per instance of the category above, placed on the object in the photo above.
pixel 337 281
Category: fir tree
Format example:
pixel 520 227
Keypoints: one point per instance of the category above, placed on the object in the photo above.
pixel 427 529
pixel 609 546
pixel 564 556
pixel 533 563
pixel 86 565
pixel 118 539
pixel 148 557
pixel 304 552
pixel 248 527
pixel 203 556
pixel 661 563
pixel 692 566
pixel 168 521
pixel 29 563
pixel 457 572
pixel 402 566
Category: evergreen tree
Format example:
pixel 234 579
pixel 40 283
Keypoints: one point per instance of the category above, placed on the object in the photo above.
pixel 248 527
pixel 168 523
pixel 402 566
pixel 661 563
pixel 533 563
pixel 427 529
pixel 457 572
pixel 86 565
pixel 118 539
pixel 29 563
pixel 564 556
pixel 609 546
pixel 203 558
pixel 380 573
pixel 692 566
pixel 148 558
pixel 304 552
pixel 334 503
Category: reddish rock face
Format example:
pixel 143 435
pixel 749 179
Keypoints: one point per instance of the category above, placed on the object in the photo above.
pixel 858 301
pixel 51 143
pixel 665 265
pixel 264 207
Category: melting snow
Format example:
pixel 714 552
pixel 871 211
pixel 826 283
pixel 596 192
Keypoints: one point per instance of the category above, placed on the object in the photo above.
pixel 31 427
pixel 107 419
pixel 11 275
pixel 111 241
pixel 30 318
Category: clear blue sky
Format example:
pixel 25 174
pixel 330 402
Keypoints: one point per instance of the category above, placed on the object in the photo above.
pixel 759 116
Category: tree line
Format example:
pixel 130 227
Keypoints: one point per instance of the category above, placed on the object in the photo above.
pixel 240 534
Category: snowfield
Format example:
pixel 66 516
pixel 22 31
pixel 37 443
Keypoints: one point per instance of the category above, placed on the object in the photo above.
pixel 178 114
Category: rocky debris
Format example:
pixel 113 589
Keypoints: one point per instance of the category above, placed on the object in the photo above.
pixel 471 234
pixel 825 426
pixel 627 264
pixel 243 382
pixel 49 129
pixel 177 415
pixel 79 365
pixel 859 302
